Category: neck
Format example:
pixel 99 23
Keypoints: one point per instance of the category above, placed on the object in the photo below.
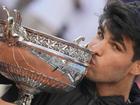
pixel 121 88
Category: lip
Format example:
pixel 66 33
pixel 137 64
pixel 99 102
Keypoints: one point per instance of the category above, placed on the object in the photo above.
pixel 92 62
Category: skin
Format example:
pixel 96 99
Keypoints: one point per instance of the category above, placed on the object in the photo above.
pixel 111 66
pixel 5 103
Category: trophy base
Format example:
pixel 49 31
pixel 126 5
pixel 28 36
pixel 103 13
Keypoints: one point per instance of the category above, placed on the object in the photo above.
pixel 24 99
pixel 26 94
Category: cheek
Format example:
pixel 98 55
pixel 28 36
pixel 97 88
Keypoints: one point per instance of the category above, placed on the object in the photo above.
pixel 115 69
pixel 113 64
pixel 111 69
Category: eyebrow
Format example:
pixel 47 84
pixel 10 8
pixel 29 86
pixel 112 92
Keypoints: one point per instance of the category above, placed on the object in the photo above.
pixel 101 28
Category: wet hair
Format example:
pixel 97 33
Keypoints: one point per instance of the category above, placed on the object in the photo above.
pixel 123 20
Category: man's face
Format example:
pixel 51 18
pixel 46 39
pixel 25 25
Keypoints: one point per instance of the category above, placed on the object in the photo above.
pixel 112 60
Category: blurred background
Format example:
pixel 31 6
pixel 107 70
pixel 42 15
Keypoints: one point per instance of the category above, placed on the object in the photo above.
pixel 67 19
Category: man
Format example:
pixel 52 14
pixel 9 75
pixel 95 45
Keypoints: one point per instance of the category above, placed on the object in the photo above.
pixel 115 63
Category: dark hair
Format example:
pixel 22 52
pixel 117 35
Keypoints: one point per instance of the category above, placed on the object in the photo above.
pixel 123 19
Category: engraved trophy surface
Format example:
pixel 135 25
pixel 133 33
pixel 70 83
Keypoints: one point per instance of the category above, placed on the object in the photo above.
pixel 39 62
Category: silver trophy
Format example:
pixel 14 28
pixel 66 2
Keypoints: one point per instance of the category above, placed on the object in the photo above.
pixel 39 62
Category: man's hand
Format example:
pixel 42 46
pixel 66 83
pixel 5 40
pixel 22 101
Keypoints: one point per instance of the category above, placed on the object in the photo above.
pixel 5 103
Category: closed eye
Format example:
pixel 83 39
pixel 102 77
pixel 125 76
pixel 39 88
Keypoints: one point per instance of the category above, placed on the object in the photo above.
pixel 117 47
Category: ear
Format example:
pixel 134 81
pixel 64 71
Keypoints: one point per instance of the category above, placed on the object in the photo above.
pixel 136 68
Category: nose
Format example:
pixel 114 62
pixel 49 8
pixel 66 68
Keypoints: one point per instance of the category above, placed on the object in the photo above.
pixel 96 48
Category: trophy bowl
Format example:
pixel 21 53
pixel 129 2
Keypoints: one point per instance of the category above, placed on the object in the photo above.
pixel 39 62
